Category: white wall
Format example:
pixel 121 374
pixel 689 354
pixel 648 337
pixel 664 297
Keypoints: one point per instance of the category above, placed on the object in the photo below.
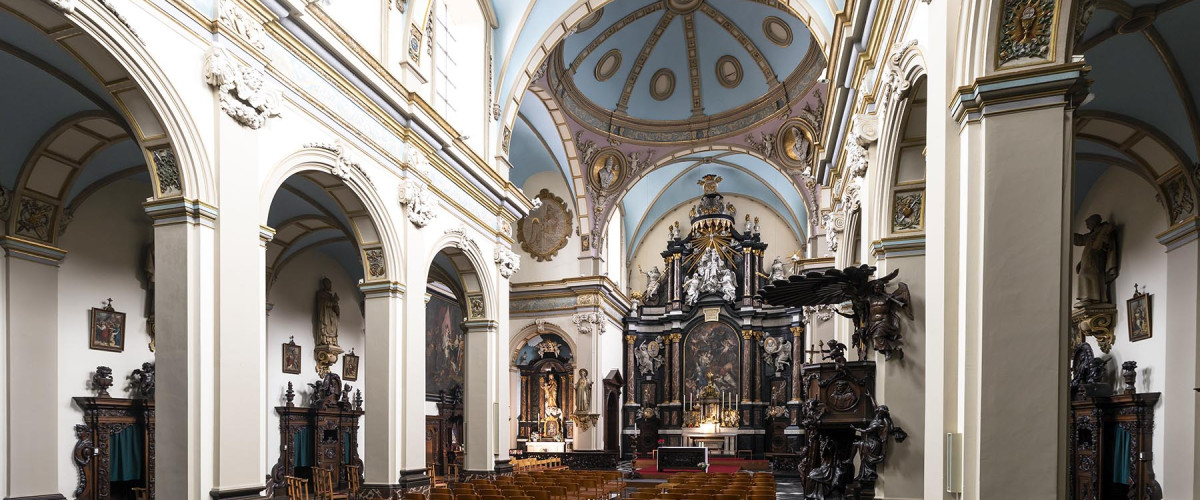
pixel 780 239
pixel 104 251
pixel 1121 197
pixel 565 264
pixel 292 297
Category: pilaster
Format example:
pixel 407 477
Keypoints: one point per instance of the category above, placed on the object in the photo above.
pixel 1180 403
pixel 481 403
pixel 392 378
pixel 31 377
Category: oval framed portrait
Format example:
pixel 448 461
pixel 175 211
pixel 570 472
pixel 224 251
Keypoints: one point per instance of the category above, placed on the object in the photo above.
pixel 794 143
pixel 608 169
pixel 546 229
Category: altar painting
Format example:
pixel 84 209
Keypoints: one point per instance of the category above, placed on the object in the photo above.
pixel 710 347
pixel 444 349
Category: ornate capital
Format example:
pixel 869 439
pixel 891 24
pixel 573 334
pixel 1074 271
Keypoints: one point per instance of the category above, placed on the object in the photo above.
pixel 244 93
pixel 629 339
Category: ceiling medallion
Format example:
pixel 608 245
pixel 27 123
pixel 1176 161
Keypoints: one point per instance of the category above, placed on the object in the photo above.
pixel 608 65
pixel 777 31
pixel 794 143
pixel 683 6
pixel 662 84
pixel 590 20
pixel 608 169
pixel 729 71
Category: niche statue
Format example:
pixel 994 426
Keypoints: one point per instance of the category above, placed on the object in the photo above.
pixel 583 393
pixel 326 316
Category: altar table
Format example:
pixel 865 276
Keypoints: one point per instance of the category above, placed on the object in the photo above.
pixel 682 458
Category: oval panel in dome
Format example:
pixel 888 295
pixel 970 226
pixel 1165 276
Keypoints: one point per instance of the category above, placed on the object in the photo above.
pixel 608 65
pixel 777 31
pixel 662 84
pixel 590 20
pixel 729 71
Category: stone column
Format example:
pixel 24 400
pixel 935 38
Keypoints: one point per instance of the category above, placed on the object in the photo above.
pixel 676 372
pixel 395 397
pixel 630 371
pixel 1015 168
pixel 747 367
pixel 481 379
pixel 31 378
pixel 756 359
pixel 185 324
pixel 798 360
pixel 1177 461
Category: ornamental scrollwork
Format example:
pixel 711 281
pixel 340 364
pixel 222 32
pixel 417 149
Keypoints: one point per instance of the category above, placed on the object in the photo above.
pixel 244 93
pixel 589 323
pixel 420 202
pixel 507 261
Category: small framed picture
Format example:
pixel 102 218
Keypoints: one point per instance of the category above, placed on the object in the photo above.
pixel 1138 309
pixel 107 329
pixel 291 356
pixel 350 366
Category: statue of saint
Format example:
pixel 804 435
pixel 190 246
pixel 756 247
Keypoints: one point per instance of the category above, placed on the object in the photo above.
pixel 777 271
pixel 1097 265
pixel 550 391
pixel 328 312
pixel 608 173
pixel 653 280
pixel 873 443
pixel 583 393
pixel 883 319
pixel 728 288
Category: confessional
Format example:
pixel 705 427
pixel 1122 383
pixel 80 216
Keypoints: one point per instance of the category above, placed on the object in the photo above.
pixel 114 451
pixel 323 436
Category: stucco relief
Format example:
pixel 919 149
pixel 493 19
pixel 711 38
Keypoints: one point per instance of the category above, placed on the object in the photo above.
pixel 507 261
pixel 420 201
pixel 245 95
pixel 237 19
pixel 1026 28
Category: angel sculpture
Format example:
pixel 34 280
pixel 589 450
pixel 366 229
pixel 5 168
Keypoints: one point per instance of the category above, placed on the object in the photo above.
pixel 835 353
pixel 728 289
pixel 777 272
pixel 874 311
pixel 649 357
pixel 691 289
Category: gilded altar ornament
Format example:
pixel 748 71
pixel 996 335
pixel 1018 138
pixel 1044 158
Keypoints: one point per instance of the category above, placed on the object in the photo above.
pixel 546 229
pixel 328 313
pixel 710 182
pixel 1026 30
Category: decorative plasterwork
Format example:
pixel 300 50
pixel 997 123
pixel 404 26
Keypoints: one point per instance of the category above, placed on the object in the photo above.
pixel 689 30
pixel 419 200
pixel 1179 196
pixel 546 229
pixel 34 218
pixel 112 9
pixel 166 169
pixel 463 236
pixel 506 141
pixel 415 159
pixel 589 323
pixel 66 6
pixel 376 266
pixel 896 84
pixel 507 261
pixel 908 210
pixel 414 44
pixel 232 16
pixel 1026 31
pixel 475 307
pixel 245 95
pixel 6 197
pixel 640 62
pixel 345 165
pixel 794 144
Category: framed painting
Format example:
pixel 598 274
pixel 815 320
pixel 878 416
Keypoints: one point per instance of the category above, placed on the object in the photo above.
pixel 291 357
pixel 107 329
pixel 1138 309
pixel 350 366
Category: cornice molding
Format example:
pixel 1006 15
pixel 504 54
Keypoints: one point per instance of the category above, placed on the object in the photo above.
pixel 1057 85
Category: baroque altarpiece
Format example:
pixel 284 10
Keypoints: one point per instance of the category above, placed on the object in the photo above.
pixel 709 364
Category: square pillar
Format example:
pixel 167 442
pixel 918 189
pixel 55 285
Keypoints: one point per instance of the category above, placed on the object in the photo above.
pixel 184 315
pixel 1178 472
pixel 393 394
pixel 31 362
pixel 481 402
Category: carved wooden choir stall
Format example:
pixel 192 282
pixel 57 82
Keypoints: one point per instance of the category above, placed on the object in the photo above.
pixel 1111 440
pixel 114 451
pixel 321 436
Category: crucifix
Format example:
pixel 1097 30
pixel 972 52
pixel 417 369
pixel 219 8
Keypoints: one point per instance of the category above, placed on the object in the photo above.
pixel 818 350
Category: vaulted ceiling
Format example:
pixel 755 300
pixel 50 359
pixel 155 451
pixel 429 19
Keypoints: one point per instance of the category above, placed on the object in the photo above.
pixel 1145 84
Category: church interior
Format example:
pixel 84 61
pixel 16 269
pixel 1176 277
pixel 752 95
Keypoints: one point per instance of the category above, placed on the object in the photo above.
pixel 599 249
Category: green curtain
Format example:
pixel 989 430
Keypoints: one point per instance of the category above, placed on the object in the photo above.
pixel 1120 470
pixel 302 447
pixel 125 454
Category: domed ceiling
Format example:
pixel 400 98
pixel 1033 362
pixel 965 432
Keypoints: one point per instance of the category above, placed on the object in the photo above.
pixel 679 70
